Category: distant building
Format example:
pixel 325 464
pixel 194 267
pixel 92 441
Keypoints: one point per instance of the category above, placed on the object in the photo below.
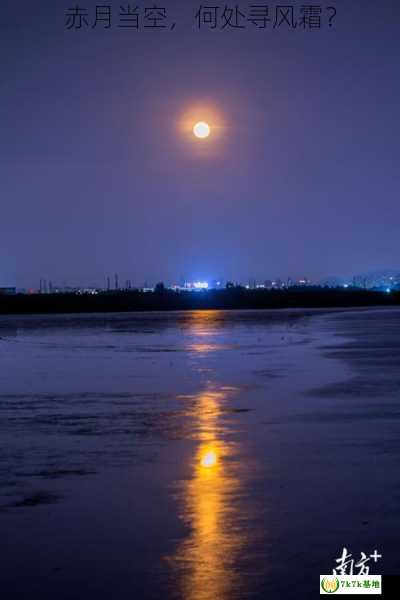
pixel 195 286
pixel 277 284
pixel 8 290
pixel 304 281
pixel 360 281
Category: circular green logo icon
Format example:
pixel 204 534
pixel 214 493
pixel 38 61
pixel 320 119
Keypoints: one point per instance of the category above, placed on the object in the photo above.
pixel 330 585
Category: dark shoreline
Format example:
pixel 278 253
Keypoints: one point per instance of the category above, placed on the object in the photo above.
pixel 237 298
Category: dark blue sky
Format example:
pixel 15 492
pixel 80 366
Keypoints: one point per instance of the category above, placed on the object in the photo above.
pixel 97 177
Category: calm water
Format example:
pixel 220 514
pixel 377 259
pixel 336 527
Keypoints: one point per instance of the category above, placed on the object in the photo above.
pixel 199 456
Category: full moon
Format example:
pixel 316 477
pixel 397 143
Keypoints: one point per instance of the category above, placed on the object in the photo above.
pixel 201 130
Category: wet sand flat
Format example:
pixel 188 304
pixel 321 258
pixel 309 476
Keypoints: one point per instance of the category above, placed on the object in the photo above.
pixel 198 455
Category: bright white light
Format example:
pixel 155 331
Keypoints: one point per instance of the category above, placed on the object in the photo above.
pixel 209 459
pixel 388 290
pixel 201 130
pixel 346 285
pixel 200 285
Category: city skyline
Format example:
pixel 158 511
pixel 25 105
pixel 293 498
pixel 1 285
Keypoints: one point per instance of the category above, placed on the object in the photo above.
pixel 384 279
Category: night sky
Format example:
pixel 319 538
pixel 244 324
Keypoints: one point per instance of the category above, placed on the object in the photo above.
pixel 99 174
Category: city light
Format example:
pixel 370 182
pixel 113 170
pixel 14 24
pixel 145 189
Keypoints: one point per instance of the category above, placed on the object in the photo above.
pixel 200 285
